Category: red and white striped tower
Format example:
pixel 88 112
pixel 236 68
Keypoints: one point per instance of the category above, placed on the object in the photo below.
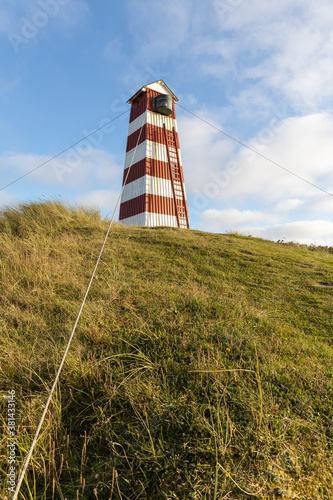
pixel 154 193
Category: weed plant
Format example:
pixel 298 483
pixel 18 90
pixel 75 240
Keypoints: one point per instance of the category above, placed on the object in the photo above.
pixel 201 367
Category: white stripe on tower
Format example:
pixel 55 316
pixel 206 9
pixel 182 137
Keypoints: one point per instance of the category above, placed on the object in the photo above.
pixel 147 184
pixel 153 119
pixel 151 219
pixel 147 149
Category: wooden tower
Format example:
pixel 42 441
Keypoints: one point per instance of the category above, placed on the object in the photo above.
pixel 154 191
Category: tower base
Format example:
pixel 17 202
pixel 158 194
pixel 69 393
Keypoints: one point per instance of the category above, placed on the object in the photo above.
pixel 149 219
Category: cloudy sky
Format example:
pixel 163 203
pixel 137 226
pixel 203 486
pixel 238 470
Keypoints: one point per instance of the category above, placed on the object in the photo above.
pixel 259 71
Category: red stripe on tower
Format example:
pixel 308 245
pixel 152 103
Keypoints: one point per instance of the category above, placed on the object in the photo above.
pixel 154 193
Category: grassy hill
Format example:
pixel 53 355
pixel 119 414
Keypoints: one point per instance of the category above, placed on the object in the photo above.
pixel 201 367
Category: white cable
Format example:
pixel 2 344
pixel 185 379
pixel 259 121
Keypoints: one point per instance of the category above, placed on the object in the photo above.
pixel 34 441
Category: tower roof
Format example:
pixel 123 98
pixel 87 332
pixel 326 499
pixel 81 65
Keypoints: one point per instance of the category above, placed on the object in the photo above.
pixel 159 86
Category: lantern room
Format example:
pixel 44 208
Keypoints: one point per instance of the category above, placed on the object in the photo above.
pixel 163 104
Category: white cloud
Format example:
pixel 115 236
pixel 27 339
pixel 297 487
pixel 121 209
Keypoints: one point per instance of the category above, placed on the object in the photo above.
pixel 239 14
pixel 103 199
pixel 204 149
pixel 218 220
pixel 263 57
pixel 302 145
pixel 286 206
pixel 322 205
pixel 316 232
pixel 278 46
pixel 280 51
pixel 7 199
pixel 265 225
pixel 76 170
pixel 236 189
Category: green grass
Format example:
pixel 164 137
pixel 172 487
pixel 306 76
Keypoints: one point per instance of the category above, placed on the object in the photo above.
pixel 201 367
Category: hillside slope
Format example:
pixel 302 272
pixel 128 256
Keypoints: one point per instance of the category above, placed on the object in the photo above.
pixel 201 367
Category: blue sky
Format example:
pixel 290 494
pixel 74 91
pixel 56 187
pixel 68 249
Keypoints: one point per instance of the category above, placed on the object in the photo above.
pixel 262 72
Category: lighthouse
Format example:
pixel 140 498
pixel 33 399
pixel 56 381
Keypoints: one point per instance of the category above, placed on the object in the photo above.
pixel 153 181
